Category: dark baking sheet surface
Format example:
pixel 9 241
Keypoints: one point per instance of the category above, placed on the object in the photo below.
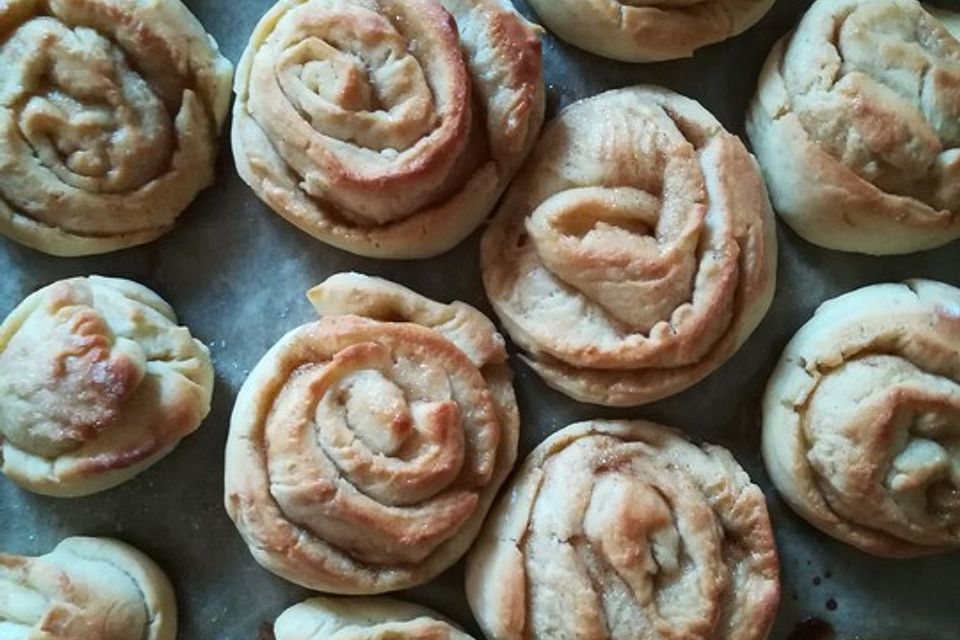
pixel 236 274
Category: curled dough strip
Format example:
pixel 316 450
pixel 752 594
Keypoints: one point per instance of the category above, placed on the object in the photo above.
pixel 97 383
pixel 636 252
pixel 86 589
pixel 365 448
pixel 648 30
pixel 624 530
pixel 109 116
pixel 856 124
pixel 362 619
pixel 861 419
pixel 387 128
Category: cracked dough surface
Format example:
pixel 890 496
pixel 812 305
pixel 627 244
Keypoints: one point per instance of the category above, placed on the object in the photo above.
pixel 856 124
pixel 363 619
pixel 626 531
pixel 648 30
pixel 86 589
pixel 386 128
pixel 97 383
pixel 861 419
pixel 366 448
pixel 110 112
pixel 637 250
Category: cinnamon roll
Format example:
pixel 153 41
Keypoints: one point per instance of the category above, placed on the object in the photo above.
pixel 86 589
pixel 97 383
pixel 856 124
pixel 636 252
pixel 362 619
pixel 626 530
pixel 861 419
pixel 386 128
pixel 365 448
pixel 648 30
pixel 109 116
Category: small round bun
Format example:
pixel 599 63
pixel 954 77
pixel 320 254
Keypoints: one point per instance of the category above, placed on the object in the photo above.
pixel 856 124
pixel 86 589
pixel 110 111
pixel 365 448
pixel 97 383
pixel 861 419
pixel 387 128
pixel 626 530
pixel 648 30
pixel 636 252
pixel 363 619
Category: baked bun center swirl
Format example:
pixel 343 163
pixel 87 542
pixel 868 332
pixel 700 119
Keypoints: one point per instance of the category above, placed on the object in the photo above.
pixel 624 530
pixel 906 420
pixel 862 419
pixel 109 117
pixel 636 252
pixel 887 100
pixel 370 450
pixel 366 448
pixel 382 93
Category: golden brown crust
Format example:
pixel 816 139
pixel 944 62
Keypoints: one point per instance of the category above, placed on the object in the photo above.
pixel 97 383
pixel 109 119
pixel 648 30
pixel 365 448
pixel 363 619
pixel 625 529
pixel 86 589
pixel 384 128
pixel 636 252
pixel 862 419
pixel 856 124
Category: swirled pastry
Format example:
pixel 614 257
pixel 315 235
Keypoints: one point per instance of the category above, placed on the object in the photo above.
pixel 365 448
pixel 377 127
pixel 636 252
pixel 625 530
pixel 648 30
pixel 856 124
pixel 362 619
pixel 109 116
pixel 86 589
pixel 861 419
pixel 97 383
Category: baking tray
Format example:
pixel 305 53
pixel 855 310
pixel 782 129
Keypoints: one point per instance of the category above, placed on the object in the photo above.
pixel 236 274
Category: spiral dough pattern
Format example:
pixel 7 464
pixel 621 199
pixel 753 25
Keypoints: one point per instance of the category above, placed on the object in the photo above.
pixel 387 128
pixel 362 619
pixel 624 530
pixel 366 448
pixel 86 589
pixel 648 30
pixel 109 116
pixel 861 425
pixel 636 252
pixel 856 124
pixel 97 383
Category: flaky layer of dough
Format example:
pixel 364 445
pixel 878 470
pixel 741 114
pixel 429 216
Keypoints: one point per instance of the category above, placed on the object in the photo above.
pixel 362 619
pixel 366 448
pixel 648 30
pixel 387 128
pixel 626 531
pixel 110 112
pixel 856 124
pixel 861 419
pixel 97 383
pixel 86 589
pixel 636 252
